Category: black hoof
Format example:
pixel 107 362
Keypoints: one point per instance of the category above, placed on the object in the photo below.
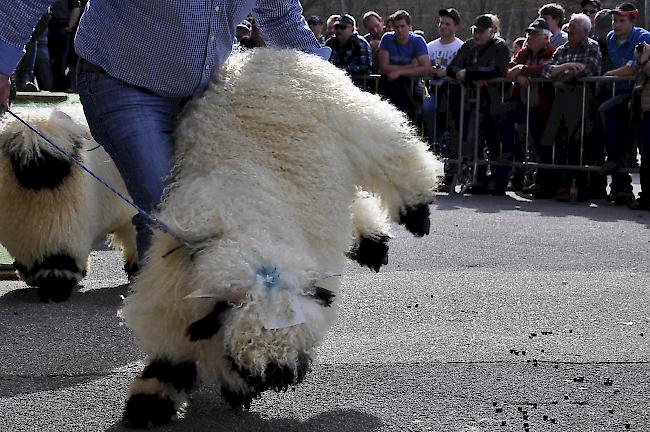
pixel 181 375
pixel 209 325
pixel 55 290
pixel 55 277
pixel 145 411
pixel 238 401
pixel 372 252
pixel 416 220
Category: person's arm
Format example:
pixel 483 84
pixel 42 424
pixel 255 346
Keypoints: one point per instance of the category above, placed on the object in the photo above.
pixel 572 68
pixel 553 68
pixel 283 25
pixel 384 63
pixel 18 19
pixel 421 67
pixel 516 64
pixel 458 62
pixel 624 70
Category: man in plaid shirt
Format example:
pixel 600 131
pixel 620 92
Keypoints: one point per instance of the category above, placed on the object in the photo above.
pixel 578 58
pixel 350 51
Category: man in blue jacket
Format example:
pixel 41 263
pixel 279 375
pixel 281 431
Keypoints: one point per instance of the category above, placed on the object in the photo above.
pixel 615 114
pixel 139 62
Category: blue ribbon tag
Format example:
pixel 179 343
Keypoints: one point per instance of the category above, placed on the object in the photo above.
pixel 270 276
pixel 276 315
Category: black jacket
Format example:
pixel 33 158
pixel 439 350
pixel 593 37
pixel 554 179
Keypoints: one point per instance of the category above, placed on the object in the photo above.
pixel 481 62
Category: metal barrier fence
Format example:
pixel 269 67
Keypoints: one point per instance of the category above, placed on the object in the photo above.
pixel 470 95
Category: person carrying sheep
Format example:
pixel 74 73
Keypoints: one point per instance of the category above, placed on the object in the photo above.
pixel 134 81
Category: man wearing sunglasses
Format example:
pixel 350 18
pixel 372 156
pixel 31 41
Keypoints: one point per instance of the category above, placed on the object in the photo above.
pixel 615 114
pixel 140 61
pixel 591 8
pixel 350 51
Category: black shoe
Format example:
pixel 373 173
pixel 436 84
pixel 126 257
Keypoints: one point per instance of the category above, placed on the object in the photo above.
pixel 29 87
pixel 475 189
pixel 639 204
pixel 495 190
pixel 515 186
pixel 624 198
pixel 446 184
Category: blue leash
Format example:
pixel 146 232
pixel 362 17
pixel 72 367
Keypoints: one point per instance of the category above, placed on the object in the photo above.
pixel 154 220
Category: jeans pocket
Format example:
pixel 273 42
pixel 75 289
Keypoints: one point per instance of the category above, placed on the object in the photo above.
pixel 99 83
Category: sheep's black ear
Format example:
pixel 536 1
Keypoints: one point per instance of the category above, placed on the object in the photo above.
pixel 44 171
pixel 209 325
pixel 416 220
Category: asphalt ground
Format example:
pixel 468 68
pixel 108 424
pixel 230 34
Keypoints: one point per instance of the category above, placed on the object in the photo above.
pixel 509 313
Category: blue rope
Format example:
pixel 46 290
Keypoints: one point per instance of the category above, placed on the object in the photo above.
pixel 160 224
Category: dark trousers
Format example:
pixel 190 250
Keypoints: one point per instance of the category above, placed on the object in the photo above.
pixel 645 158
pixel 25 69
pixel 400 93
pixel 486 137
pixel 561 142
pixel 59 46
pixel 513 138
pixel 615 118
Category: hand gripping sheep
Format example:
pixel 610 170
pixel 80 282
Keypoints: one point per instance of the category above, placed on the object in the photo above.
pixel 270 160
pixel 51 212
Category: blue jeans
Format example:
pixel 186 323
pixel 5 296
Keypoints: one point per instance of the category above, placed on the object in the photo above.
pixel 44 65
pixel 135 128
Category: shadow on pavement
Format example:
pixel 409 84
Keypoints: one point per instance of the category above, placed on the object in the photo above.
pixel 49 346
pixel 604 212
pixel 224 419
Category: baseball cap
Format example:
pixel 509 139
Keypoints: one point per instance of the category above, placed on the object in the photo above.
pixel 595 3
pixel 344 21
pixel 451 13
pixel 539 25
pixel 245 24
pixel 603 23
pixel 626 9
pixel 482 22
pixel 315 19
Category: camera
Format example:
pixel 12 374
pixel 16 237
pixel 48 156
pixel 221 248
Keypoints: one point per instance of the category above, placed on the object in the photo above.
pixel 639 47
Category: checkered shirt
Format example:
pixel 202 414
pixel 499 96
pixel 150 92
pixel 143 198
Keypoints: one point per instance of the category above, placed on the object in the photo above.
pixel 170 47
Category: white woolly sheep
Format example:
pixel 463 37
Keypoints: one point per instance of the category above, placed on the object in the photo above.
pixel 52 211
pixel 269 160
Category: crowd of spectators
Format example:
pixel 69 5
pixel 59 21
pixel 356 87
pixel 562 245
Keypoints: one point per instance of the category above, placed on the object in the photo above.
pixel 534 115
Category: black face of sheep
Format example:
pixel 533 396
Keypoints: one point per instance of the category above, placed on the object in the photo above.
pixel 276 377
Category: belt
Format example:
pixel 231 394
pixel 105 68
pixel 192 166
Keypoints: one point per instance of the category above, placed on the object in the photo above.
pixel 87 66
